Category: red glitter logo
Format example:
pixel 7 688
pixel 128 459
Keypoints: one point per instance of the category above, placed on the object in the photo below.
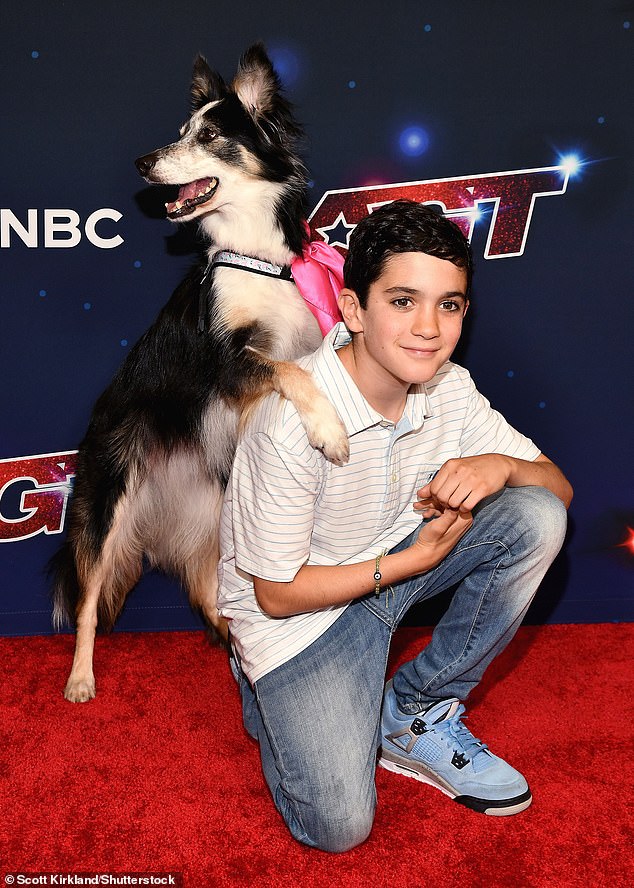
pixel 42 503
pixel 512 194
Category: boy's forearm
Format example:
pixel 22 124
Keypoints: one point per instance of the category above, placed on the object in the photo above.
pixel 540 473
pixel 316 587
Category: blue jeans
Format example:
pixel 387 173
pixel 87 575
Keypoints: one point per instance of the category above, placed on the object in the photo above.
pixel 317 717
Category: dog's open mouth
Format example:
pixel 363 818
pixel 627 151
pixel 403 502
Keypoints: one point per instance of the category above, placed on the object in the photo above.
pixel 190 196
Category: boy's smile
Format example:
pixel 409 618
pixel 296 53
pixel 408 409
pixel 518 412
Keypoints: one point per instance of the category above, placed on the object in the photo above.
pixel 409 328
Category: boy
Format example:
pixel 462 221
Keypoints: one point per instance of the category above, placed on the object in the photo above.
pixel 319 563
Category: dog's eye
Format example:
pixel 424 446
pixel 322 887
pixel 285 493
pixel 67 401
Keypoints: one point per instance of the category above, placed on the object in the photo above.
pixel 206 134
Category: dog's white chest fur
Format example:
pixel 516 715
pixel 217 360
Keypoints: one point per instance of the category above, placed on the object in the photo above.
pixel 244 298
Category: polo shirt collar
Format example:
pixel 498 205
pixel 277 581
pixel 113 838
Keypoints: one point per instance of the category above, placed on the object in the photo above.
pixel 353 408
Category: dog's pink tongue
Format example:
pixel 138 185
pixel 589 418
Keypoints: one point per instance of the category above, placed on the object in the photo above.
pixel 190 196
pixel 192 189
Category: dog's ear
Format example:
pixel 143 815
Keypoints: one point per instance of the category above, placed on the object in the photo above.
pixel 207 85
pixel 256 84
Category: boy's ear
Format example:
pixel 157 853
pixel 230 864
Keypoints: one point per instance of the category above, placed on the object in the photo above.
pixel 351 310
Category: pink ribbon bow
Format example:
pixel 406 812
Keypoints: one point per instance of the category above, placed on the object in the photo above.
pixel 318 273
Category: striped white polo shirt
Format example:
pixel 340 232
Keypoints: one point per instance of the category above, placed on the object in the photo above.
pixel 287 506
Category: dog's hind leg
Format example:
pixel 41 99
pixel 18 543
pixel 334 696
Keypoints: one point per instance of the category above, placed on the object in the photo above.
pixel 80 686
pixel 180 507
pixel 201 579
pixel 104 584
pixel 200 573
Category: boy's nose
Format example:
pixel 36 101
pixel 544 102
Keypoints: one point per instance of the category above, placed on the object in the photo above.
pixel 425 324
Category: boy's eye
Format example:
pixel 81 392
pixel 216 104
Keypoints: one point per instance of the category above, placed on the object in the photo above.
pixel 402 302
pixel 450 305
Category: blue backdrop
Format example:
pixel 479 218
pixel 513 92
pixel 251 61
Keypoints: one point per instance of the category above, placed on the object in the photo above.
pixel 516 115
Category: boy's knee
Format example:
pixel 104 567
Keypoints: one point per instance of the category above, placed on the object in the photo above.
pixel 336 833
pixel 541 518
pixel 333 824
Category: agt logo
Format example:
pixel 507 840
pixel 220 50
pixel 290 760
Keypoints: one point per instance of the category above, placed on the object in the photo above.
pixel 59 228
pixel 34 493
pixel 511 194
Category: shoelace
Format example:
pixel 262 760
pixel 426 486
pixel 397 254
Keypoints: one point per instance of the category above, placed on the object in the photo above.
pixel 456 733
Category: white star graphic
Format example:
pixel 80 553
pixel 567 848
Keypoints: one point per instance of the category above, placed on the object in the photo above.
pixel 340 221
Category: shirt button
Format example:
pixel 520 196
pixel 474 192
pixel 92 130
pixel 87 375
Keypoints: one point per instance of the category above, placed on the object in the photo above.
pixel 394 476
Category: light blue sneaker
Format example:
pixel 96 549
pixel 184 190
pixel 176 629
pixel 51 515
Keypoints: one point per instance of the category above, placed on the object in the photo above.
pixel 436 748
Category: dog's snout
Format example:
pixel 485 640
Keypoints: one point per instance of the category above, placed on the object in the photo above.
pixel 145 164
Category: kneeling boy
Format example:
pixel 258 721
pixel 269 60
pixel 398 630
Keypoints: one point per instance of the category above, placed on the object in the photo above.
pixel 319 563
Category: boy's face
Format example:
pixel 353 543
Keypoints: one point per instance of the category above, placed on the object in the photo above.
pixel 412 320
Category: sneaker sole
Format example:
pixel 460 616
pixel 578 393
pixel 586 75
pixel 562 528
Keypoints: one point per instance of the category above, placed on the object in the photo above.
pixel 492 807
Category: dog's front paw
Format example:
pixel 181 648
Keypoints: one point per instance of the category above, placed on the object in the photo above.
pixel 79 690
pixel 322 424
pixel 327 433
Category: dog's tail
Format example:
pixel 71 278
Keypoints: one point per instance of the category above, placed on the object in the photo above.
pixel 62 572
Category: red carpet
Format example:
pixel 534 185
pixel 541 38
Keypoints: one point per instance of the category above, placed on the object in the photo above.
pixel 157 774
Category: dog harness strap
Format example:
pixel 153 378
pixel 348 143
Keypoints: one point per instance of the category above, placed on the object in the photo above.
pixel 203 299
pixel 228 259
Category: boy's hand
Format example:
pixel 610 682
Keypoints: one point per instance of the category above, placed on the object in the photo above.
pixel 438 537
pixel 426 507
pixel 462 483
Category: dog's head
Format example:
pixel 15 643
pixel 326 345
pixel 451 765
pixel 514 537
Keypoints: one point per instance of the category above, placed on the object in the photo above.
pixel 240 139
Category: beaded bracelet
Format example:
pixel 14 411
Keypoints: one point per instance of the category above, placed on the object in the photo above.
pixel 377 574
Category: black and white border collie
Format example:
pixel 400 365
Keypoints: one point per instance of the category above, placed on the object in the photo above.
pixel 158 451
